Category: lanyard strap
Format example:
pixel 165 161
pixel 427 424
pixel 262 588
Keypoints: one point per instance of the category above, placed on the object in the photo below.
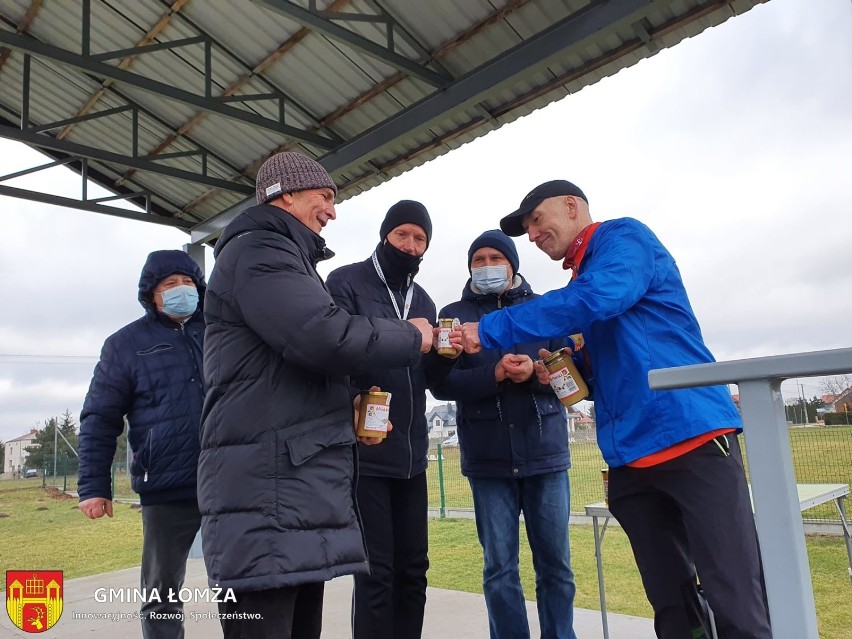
pixel 408 295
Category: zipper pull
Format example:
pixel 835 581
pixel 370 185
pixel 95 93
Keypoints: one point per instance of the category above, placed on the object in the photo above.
pixel 145 478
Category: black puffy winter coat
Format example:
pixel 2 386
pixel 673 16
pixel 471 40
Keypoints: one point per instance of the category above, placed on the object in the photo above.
pixel 505 429
pixel 150 371
pixel 358 289
pixel 277 459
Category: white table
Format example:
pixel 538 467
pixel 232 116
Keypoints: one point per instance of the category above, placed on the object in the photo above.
pixel 810 495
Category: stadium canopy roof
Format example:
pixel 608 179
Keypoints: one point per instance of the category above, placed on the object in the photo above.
pixel 174 105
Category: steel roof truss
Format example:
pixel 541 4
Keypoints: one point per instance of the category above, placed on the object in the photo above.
pixel 86 203
pixel 79 118
pixel 471 88
pixel 83 151
pixel 320 22
pixel 90 205
pixel 31 46
pixel 150 48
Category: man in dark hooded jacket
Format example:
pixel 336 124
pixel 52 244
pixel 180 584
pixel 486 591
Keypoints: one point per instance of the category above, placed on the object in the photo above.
pixel 277 465
pixel 150 371
pixel 513 438
pixel 392 497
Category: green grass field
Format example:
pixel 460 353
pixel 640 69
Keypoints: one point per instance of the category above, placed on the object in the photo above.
pixel 42 528
pixel 820 455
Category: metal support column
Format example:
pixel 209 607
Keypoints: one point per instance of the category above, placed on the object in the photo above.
pixel 777 510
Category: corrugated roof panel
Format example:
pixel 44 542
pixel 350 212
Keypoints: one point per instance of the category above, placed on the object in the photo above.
pixel 244 26
pixel 323 77
pixel 439 21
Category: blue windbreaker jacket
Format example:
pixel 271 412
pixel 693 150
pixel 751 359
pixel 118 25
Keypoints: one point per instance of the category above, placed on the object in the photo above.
pixel 632 308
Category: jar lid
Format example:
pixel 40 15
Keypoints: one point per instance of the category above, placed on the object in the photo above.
pixel 553 357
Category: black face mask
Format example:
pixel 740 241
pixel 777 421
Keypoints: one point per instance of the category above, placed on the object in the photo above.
pixel 396 264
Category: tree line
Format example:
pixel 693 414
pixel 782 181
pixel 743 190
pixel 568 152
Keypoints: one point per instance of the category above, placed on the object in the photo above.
pixel 60 434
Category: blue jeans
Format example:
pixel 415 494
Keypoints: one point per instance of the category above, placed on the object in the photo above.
pixel 545 502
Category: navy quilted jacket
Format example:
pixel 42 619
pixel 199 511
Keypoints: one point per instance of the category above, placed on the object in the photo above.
pixel 505 429
pixel 151 372
pixel 358 289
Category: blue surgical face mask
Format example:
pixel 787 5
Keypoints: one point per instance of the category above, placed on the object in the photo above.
pixel 490 279
pixel 180 301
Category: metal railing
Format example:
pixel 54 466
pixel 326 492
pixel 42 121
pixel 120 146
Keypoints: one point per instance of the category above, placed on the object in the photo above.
pixel 777 511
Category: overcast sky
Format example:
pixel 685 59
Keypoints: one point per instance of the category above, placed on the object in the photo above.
pixel 734 147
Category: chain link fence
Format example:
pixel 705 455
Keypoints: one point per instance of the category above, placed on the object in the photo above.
pixel 821 455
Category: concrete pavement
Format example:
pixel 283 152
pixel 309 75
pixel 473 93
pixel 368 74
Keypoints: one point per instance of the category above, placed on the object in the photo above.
pixel 449 613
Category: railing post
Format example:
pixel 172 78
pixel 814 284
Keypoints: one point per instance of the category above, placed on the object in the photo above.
pixel 777 513
pixel 443 510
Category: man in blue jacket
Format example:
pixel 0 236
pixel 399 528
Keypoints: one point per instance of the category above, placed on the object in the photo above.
pixel 150 371
pixel 514 451
pixel 676 481
pixel 389 602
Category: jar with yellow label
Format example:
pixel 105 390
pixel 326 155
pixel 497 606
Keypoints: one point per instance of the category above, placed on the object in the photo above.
pixel 565 379
pixel 605 478
pixel 373 413
pixel 445 327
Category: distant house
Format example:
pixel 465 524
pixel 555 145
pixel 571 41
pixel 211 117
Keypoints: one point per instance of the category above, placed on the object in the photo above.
pixel 841 403
pixel 16 452
pixel 578 420
pixel 442 421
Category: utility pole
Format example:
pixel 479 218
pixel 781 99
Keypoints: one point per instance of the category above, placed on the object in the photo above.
pixel 804 403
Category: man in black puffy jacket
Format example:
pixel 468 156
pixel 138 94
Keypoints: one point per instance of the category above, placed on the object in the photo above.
pixel 513 438
pixel 150 371
pixel 277 463
pixel 389 602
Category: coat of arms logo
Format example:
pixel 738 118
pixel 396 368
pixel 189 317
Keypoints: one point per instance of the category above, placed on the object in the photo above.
pixel 34 598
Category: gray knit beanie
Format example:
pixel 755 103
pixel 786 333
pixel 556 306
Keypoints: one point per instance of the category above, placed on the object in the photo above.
pixel 288 172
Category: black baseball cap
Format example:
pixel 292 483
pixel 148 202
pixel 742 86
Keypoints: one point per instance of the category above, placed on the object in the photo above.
pixel 512 223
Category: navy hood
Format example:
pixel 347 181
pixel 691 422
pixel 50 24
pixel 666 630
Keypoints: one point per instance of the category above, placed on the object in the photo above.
pixel 161 264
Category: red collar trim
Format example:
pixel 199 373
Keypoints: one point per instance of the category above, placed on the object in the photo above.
pixel 577 248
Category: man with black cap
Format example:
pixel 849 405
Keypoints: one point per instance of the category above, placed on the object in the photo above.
pixel 388 603
pixel 514 452
pixel 676 480
pixel 276 473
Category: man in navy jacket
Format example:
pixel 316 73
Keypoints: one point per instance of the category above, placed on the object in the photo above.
pixel 150 371
pixel 389 602
pixel 513 438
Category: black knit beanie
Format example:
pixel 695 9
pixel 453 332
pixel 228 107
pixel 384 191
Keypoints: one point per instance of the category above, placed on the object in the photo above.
pixel 406 212
pixel 496 240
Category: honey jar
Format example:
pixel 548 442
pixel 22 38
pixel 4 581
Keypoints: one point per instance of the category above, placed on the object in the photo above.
pixel 373 413
pixel 445 327
pixel 565 379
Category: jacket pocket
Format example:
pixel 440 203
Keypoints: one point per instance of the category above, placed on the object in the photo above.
pixel 305 446
pixel 314 479
pixel 159 348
